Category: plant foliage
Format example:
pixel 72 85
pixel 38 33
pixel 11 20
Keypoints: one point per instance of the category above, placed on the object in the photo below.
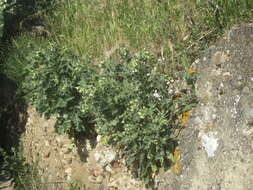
pixel 135 110
pixel 51 81
pixel 128 100
pixel 13 165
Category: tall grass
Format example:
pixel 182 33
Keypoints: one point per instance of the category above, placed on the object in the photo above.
pixel 14 55
pixel 174 30
pixel 2 6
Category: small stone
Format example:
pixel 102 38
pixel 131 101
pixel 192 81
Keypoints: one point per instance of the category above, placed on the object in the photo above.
pixel 99 138
pixel 67 159
pixel 69 178
pixel 68 171
pixel 59 141
pixel 226 74
pixel 96 172
pixel 47 153
pixel 114 184
pixel 110 156
pixel 66 150
pixel 97 156
pixel 88 145
pixel 47 143
pixel 61 153
pixel 196 61
pixel 123 161
pixel 108 168
pixel 246 90
pixel 98 179
pixel 105 156
pixel 248 132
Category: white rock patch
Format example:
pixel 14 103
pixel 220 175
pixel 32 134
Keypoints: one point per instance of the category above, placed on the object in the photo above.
pixel 210 143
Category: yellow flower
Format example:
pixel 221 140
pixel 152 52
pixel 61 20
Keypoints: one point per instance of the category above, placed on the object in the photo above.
pixel 191 70
pixel 184 118
pixel 176 96
pixel 176 169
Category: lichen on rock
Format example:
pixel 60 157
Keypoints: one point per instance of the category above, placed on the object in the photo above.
pixel 216 146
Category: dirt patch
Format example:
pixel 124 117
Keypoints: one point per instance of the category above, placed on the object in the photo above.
pixel 61 161
pixel 56 155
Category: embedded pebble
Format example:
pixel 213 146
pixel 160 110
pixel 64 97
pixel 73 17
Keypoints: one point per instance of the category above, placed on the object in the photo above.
pixel 66 150
pixel 99 179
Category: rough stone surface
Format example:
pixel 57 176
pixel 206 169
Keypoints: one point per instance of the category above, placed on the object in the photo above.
pixel 216 146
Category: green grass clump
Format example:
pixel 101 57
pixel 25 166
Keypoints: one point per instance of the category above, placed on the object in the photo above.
pixel 14 56
pixel 170 29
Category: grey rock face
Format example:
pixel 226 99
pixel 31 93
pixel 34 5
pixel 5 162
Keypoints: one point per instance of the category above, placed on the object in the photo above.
pixel 217 146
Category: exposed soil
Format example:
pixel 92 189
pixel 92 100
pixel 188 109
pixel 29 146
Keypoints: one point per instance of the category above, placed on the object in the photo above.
pixel 56 155
pixel 61 161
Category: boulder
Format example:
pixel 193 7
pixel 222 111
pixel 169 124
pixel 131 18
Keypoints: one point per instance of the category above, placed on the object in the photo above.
pixel 217 145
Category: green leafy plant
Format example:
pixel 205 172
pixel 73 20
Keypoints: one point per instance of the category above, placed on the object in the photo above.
pixel 133 108
pixel 51 79
pixel 128 101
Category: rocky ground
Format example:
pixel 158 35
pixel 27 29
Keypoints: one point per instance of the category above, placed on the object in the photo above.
pixel 60 160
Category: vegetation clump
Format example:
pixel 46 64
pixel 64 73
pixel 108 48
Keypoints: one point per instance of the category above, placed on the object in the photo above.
pixel 14 167
pixel 127 100
pixel 50 82
pixel 174 30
